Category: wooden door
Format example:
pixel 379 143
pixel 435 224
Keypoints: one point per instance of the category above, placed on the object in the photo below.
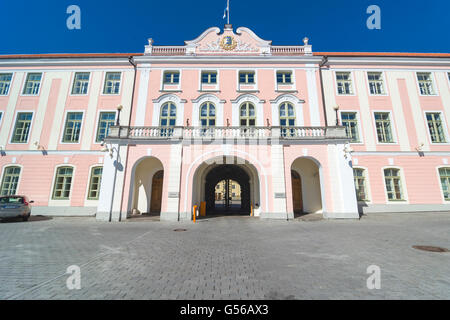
pixel 157 185
pixel 297 198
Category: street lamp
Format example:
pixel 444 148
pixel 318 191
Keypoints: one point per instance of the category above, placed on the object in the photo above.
pixel 336 108
pixel 119 108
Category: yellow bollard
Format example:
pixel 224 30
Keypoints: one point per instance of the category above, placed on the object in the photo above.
pixel 195 209
pixel 251 209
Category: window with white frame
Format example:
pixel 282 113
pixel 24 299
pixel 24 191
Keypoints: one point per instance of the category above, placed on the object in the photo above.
pixel 287 119
pixel 32 84
pixel 10 181
pixel 209 77
pixel 359 176
pixel 247 115
pixel 384 128
pixel 1 116
pixel 168 118
pixel 63 183
pixel 106 120
pixel 376 83
pixel 22 127
pixel 393 183
pixel 208 115
pixel 5 83
pixel 444 175
pixel 81 83
pixel 171 77
pixel 350 122
pixel 247 77
pixel 344 83
pixel 72 129
pixel 435 127
pixel 425 83
pixel 284 77
pixel 95 183
pixel 112 83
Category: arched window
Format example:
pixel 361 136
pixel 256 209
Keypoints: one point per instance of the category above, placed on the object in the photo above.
pixel 94 183
pixel 63 183
pixel 168 118
pixel 287 118
pixel 444 175
pixel 247 115
pixel 208 115
pixel 10 181
pixel 393 184
pixel 359 175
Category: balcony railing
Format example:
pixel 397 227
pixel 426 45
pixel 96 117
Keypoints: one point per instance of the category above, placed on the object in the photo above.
pixel 170 133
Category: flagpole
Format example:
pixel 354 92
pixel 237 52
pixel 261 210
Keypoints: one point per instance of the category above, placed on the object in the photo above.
pixel 228 9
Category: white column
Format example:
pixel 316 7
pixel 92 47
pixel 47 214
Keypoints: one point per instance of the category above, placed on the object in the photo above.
pixel 111 189
pixel 142 95
pixel 345 205
pixel 278 185
pixel 313 97
pixel 173 185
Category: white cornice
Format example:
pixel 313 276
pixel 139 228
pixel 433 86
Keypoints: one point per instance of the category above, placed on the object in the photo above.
pixel 64 62
pixel 228 59
pixel 410 61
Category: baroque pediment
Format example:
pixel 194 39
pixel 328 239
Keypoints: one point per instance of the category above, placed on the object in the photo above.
pixel 213 42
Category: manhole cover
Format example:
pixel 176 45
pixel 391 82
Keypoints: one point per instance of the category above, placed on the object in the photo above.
pixel 180 230
pixel 430 248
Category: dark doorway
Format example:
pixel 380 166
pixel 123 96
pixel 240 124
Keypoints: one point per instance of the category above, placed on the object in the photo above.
pixel 297 198
pixel 157 186
pixel 227 190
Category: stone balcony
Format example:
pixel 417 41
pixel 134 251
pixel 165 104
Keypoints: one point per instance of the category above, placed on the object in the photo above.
pixel 219 133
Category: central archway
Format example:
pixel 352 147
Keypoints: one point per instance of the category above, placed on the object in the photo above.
pixel 227 173
pixel 244 174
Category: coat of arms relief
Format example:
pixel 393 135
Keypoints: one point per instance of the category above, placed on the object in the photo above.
pixel 226 44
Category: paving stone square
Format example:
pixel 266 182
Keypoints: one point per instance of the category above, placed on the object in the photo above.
pixel 226 258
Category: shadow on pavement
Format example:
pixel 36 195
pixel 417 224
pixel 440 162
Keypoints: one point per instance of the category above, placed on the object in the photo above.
pixel 31 219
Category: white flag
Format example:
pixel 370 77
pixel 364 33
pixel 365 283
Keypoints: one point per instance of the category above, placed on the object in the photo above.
pixel 227 10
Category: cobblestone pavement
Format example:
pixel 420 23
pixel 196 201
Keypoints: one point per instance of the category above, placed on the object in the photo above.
pixel 226 258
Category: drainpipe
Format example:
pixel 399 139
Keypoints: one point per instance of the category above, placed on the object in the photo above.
pixel 131 61
pixel 324 62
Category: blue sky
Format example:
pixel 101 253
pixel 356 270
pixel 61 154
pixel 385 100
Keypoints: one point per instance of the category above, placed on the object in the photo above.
pixel 124 26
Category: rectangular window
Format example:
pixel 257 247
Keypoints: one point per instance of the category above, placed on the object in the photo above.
pixel 112 83
pixel 425 83
pixel 94 183
pixel 247 77
pixel 105 121
pixel 22 127
pixel 1 116
pixel 350 122
pixel 63 183
pixel 5 83
pixel 81 83
pixel 444 174
pixel 72 128
pixel 376 84
pixel 383 125
pixel 393 184
pixel 171 77
pixel 360 184
pixel 209 77
pixel 284 77
pixel 32 84
pixel 435 127
pixel 10 181
pixel 344 83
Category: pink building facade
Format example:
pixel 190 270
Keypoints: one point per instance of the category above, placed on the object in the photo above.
pixel 301 132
